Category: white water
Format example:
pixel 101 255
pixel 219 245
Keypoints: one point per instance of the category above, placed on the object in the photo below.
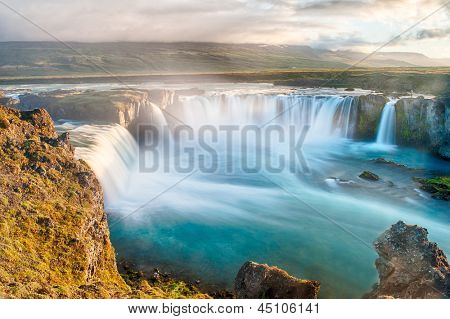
pixel 386 129
pixel 111 152
pixel 327 116
pixel 209 224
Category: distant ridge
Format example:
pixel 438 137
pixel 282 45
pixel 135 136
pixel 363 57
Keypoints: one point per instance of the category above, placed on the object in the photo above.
pixel 20 59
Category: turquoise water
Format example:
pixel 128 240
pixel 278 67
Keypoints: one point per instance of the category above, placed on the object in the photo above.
pixel 318 224
pixel 310 225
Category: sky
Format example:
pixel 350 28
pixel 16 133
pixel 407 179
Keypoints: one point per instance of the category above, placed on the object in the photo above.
pixel 359 25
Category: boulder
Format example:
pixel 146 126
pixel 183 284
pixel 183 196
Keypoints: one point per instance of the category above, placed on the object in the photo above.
pixel 369 176
pixel 381 160
pixel 410 266
pixel 255 281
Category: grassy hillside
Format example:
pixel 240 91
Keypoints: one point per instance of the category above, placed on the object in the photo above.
pixel 23 59
pixel 47 58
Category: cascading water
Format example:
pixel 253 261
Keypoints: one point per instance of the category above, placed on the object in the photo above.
pixel 327 116
pixel 205 225
pixel 111 151
pixel 386 128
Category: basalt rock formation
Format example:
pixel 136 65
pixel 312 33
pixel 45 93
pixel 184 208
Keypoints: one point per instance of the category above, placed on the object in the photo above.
pixel 409 265
pixel 255 281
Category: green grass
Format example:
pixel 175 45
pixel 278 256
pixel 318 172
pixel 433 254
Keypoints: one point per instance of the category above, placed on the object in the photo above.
pixel 438 186
pixel 54 238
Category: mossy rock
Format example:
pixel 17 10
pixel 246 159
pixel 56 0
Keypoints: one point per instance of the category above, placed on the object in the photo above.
pixel 367 175
pixel 420 123
pixel 54 236
pixel 438 186
pixel 369 108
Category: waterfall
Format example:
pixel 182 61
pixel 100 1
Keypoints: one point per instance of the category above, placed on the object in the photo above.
pixel 386 128
pixel 327 116
pixel 111 151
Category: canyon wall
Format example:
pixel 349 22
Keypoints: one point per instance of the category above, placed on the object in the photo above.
pixel 54 237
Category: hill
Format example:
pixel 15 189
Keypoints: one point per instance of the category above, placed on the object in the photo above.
pixel 21 59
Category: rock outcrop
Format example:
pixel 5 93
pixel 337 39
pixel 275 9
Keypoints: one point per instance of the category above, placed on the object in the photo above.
pixel 410 266
pixel 421 123
pixel 367 175
pixel 438 187
pixel 54 236
pixel 369 108
pixel 444 149
pixel 261 281
pixel 121 106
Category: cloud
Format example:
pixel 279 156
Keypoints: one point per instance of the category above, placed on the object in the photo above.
pixel 432 33
pixel 346 24
pixel 332 6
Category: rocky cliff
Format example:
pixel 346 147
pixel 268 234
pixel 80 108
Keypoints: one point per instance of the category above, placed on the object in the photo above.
pixel 54 237
pixel 121 106
pixel 421 121
pixel 409 265
pixel 369 108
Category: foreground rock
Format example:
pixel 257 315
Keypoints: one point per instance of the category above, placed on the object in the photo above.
pixel 410 266
pixel 261 281
pixel 54 236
